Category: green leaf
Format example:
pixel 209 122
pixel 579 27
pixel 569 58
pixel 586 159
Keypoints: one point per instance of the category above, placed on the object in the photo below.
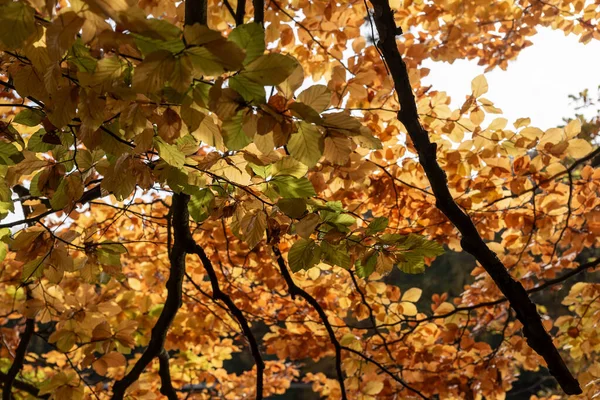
pixel 80 55
pixel 290 187
pixel 427 248
pixel 412 252
pixel 249 90
pixel 169 153
pixel 200 204
pixel 306 145
pixel 338 219
pixel 9 154
pixel 29 117
pixel 214 58
pixel 250 37
pixel 304 254
pixel 17 23
pixel 69 189
pixel 233 132
pixel 293 208
pixel 3 251
pixel 411 263
pixel 36 142
pixel 33 269
pixel 377 225
pixel 264 171
pixel 270 69
pixel 365 267
pixel 148 45
pixel 110 253
pixel 289 166
pixel 336 254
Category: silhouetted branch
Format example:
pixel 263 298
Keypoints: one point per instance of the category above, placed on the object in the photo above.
pixel 11 375
pixel 218 294
pixel 259 10
pixel 166 386
pixel 24 386
pixel 385 370
pixel 181 228
pixel 196 12
pixel 241 12
pixel 297 291
pixel 537 337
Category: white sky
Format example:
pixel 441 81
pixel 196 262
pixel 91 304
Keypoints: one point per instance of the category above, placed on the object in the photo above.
pixel 535 85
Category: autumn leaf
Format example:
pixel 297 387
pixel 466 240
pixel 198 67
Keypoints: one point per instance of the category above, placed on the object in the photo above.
pixel 306 145
pixel 16 23
pixel 304 254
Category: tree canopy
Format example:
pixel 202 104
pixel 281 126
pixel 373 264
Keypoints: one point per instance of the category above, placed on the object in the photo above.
pixel 220 199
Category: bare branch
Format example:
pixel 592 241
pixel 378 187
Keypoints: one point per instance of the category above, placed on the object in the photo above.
pixel 196 12
pixel 295 290
pixel 15 368
pixel 259 11
pixel 166 387
pixel 24 386
pixel 240 12
pixel 537 337
pixel 218 294
pixel 172 303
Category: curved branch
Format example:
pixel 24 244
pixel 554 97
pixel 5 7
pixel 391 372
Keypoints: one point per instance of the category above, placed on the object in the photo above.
pixel 537 337
pixel 11 375
pixel 218 294
pixel 166 386
pixel 295 290
pixel 172 303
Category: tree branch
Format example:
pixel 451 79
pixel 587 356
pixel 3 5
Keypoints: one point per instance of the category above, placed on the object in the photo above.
pixel 537 337
pixel 196 12
pixel 24 386
pixel 229 8
pixel 166 387
pixel 259 11
pixel 240 12
pixel 295 290
pixel 19 359
pixel 181 228
pixel 218 294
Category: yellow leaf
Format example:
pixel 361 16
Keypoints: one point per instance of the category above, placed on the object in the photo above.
pixel 573 128
pixel 444 308
pixel 253 227
pixel 408 309
pixel 413 295
pixel 498 123
pixel 479 85
pixel 109 360
pixel 151 74
pixel 372 388
pixel 579 148
pixel 337 149
pixel 317 97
